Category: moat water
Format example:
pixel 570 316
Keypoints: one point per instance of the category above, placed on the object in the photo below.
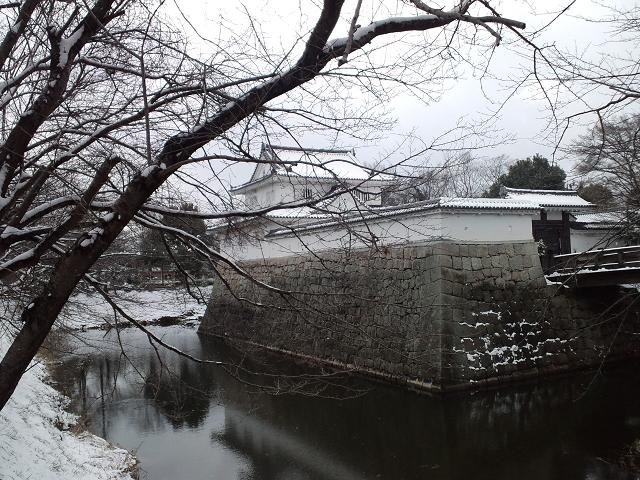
pixel 193 421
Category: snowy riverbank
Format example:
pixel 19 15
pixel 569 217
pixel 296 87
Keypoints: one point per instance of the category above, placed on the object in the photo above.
pixel 36 438
pixel 91 310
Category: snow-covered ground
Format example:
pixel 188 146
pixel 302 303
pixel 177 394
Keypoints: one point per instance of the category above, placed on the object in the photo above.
pixel 91 310
pixel 35 442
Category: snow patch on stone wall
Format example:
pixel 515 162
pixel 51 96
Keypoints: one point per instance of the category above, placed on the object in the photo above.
pixel 496 344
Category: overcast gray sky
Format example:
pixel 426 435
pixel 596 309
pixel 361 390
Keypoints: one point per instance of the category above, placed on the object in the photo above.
pixel 518 130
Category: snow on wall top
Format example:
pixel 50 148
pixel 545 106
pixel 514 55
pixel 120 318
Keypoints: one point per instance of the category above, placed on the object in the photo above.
pixel 330 208
pixel 549 198
pixel 486 203
pixel 443 203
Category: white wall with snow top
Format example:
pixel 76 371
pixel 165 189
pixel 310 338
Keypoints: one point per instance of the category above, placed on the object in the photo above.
pixel 470 226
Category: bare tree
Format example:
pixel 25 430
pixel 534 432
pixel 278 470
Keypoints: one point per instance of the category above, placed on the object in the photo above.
pixel 594 84
pixel 460 174
pixel 611 152
pixel 102 105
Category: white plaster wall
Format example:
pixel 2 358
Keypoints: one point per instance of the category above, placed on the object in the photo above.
pixel 274 191
pixel 553 215
pixel 583 240
pixel 489 227
pixel 284 190
pixel 429 226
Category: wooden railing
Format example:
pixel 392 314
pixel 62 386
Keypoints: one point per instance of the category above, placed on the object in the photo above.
pixel 618 258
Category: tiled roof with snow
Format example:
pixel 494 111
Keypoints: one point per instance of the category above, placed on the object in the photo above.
pixel 568 199
pixel 600 217
pixel 331 207
pixel 486 203
pixel 311 163
pixel 319 210
pixel 315 163
pixel 599 220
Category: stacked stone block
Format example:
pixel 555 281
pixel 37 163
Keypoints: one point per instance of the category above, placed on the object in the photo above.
pixel 432 316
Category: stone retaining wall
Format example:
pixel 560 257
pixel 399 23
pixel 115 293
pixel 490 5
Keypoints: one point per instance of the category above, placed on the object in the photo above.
pixel 433 316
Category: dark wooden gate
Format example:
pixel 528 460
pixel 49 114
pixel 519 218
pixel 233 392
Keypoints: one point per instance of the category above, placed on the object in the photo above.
pixel 556 236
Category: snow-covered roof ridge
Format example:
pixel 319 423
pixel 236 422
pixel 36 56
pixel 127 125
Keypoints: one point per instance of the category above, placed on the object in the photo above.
pixel 610 216
pixel 603 220
pixel 563 199
pixel 484 203
pixel 299 212
pixel 540 191
pixel 317 163
pixel 294 148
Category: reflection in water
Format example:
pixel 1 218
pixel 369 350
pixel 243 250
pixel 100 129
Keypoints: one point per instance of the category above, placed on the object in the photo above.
pixel 192 421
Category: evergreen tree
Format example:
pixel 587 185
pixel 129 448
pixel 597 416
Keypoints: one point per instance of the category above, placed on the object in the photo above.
pixel 535 172
pixel 597 193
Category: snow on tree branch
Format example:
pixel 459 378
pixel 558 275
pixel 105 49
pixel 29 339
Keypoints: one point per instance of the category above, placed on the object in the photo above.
pixel 105 108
